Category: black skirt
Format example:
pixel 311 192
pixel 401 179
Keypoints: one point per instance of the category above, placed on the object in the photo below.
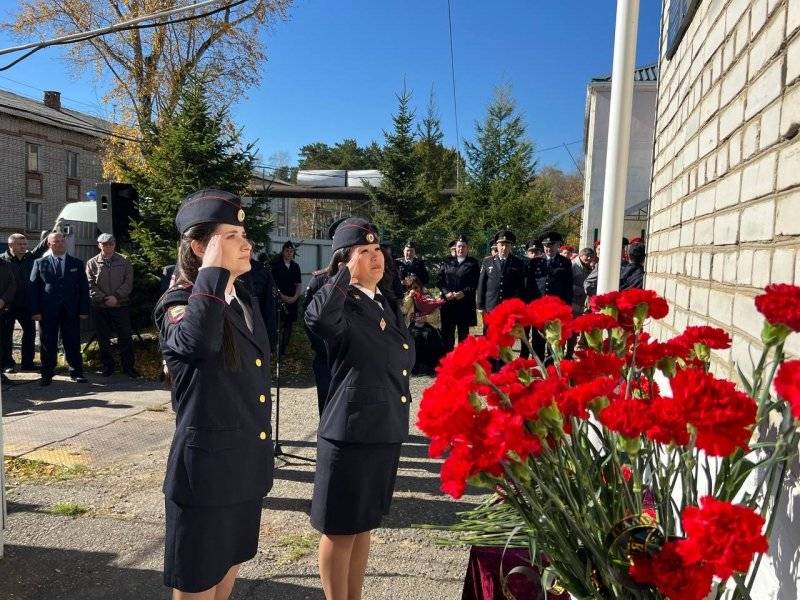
pixel 353 486
pixel 203 542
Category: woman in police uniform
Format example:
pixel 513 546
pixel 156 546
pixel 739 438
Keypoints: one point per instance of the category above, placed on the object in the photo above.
pixel 216 351
pixel 370 354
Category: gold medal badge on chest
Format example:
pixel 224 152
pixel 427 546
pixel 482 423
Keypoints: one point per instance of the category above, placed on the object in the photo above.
pixel 382 323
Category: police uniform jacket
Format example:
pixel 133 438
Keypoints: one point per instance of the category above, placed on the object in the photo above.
pixel 500 280
pixel 369 396
pixel 416 266
pixel 221 452
pixel 459 277
pixel 319 279
pixel 550 278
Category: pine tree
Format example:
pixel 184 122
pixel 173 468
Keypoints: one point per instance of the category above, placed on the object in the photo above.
pixel 398 201
pixel 198 148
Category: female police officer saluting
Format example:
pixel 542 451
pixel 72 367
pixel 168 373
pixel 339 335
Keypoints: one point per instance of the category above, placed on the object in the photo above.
pixel 216 350
pixel 370 354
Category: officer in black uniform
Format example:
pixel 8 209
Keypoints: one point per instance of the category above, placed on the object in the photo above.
pixel 533 249
pixel 411 264
pixel 458 280
pixel 549 275
pixel 365 421
pixel 288 279
pixel 216 352
pixel 502 276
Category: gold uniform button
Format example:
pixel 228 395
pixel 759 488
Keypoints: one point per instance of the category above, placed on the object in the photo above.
pixel 258 362
pixel 405 346
pixel 405 372
pixel 263 435
pixel 403 399
pixel 262 398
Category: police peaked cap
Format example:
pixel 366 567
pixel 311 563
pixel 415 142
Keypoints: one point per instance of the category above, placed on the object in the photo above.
pixel 552 237
pixel 452 244
pixel 209 206
pixel 410 244
pixel 287 244
pixel 534 245
pixel 505 235
pixel 334 225
pixel 354 232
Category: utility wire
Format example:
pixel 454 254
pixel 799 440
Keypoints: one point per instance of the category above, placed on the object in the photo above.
pixel 455 97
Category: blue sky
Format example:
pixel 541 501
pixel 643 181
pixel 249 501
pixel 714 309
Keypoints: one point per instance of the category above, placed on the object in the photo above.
pixel 334 68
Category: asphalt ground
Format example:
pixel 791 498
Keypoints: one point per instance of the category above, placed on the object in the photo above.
pixel 98 450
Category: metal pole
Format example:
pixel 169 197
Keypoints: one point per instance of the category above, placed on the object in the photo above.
pixel 2 479
pixel 619 139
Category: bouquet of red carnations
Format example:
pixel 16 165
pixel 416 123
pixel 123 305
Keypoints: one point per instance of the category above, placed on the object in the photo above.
pixel 635 471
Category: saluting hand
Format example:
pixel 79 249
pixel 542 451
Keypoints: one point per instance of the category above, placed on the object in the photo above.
pixel 352 264
pixel 213 254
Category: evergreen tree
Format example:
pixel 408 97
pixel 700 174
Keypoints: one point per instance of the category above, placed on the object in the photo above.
pixel 398 201
pixel 198 148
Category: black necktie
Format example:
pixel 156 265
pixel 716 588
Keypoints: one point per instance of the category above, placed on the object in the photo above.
pixel 381 300
pixel 237 308
pixel 59 270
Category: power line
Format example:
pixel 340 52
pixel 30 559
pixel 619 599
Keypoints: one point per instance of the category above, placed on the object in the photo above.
pixel 455 98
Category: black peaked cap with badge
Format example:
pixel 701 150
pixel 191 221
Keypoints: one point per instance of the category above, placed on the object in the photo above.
pixel 354 231
pixel 505 235
pixel 209 206
pixel 552 237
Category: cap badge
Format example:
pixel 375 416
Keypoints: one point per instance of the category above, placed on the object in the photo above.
pixel 370 238
pixel 240 215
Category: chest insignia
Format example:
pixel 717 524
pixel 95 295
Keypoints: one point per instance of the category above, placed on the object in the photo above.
pixel 176 313
pixel 382 324
pixel 489 269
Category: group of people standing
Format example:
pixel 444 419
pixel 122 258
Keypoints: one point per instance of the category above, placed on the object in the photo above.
pixel 50 287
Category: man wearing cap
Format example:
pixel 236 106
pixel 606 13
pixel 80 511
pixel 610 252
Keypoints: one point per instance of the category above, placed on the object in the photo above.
pixel 110 276
pixel 548 275
pixel 452 247
pixel 501 277
pixel 533 249
pixel 582 266
pixel 20 260
pixel 411 264
pixel 59 297
pixel 458 280
pixel 288 280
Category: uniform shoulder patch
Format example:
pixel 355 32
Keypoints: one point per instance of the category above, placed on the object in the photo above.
pixel 176 312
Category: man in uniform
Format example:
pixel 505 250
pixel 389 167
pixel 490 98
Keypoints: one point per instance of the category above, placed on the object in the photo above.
pixel 548 275
pixel 458 280
pixel 502 276
pixel 21 262
pixel 533 249
pixel 286 273
pixel 632 274
pixel 110 276
pixel 8 288
pixel 411 264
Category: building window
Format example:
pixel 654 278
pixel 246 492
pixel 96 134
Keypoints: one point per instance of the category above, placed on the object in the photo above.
pixel 279 205
pixel 32 157
pixel 72 164
pixel 33 185
pixel 33 216
pixel 282 219
pixel 73 190
pixel 680 15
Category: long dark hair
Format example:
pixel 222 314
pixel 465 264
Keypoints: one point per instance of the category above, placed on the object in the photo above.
pixel 187 267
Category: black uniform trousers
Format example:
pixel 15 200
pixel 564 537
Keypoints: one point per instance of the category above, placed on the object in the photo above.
pixel 23 317
pixel 69 325
pixel 107 322
pixel 449 328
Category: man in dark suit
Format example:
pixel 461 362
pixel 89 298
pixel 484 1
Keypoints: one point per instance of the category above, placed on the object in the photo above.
pixel 59 296
pixel 20 260
pixel 502 276
pixel 8 288
pixel 411 264
pixel 458 280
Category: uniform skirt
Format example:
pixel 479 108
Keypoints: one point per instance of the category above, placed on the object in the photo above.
pixel 353 486
pixel 203 542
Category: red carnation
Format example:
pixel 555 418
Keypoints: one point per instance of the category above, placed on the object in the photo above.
pixel 575 401
pixel 627 416
pixel 669 422
pixel 642 303
pixel 592 321
pixel 724 535
pixel 589 364
pixel 604 301
pixel 672 574
pixel 722 415
pixel 502 321
pixel 460 363
pixel 787 384
pixel 780 305
pixel 547 309
pixel 713 337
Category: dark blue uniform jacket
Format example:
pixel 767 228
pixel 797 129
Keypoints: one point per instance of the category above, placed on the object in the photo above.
pixel 459 277
pixel 222 449
pixel 49 293
pixel 369 397
pixel 500 280
pixel 550 278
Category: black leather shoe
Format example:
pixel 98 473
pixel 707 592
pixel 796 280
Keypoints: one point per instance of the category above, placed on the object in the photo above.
pixel 31 367
pixel 45 381
pixel 78 378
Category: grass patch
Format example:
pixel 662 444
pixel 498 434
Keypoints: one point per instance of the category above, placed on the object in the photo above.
pixel 147 355
pixel 22 468
pixel 68 509
pixel 297 546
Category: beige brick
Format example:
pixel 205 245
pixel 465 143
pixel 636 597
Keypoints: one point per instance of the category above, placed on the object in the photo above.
pixel 718 267
pixel 783 266
pixel 704 232
pixel 710 104
pixel 728 53
pixel 747 317
pixel 744 267
pixel 767 44
pixel 682 294
pixel 750 138
pixel 758 16
pixel 797 270
pixel 787 217
pixel 758 178
pixel 720 305
pixel 735 149
pixel 770 126
pixel 705 265
pixel 695 270
pixel 790 111
pixel 793 19
pixel 688 208
pixel 733 81
pixel 687 234
pixel 728 190
pixel 681 319
pixel 708 138
pixel 764 89
pixel 734 12
pixel 761 268
pixel 726 228
pixel 793 61
pixel 699 300
pixel 758 222
pixel 744 355
pixel 742 34
pixel 729 271
pixel 789 166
